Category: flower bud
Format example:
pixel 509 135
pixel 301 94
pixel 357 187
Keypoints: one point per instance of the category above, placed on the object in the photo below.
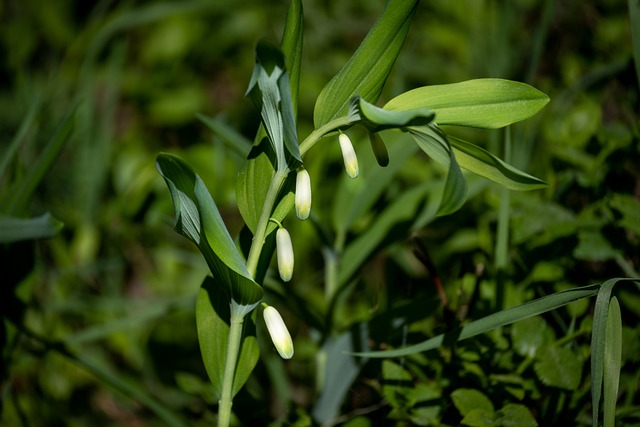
pixel 284 253
pixel 279 332
pixel 303 194
pixel 348 155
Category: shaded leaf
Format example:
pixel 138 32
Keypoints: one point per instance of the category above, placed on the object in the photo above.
pixel 484 103
pixel 229 135
pixel 367 70
pixel 515 415
pixel 16 229
pixel 291 46
pixel 466 400
pixel 612 362
pixel 213 315
pixel 558 367
pixel 495 320
pixel 436 144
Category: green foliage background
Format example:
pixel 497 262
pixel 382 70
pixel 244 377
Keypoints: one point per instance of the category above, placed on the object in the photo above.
pixel 98 325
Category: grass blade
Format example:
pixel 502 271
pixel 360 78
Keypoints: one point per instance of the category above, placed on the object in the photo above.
pixel 612 362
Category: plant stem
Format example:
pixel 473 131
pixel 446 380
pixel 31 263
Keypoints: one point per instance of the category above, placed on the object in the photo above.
pixel 263 222
pixel 233 349
pixel 319 133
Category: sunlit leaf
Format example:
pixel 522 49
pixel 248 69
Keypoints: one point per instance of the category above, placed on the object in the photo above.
pixel 467 400
pixel 514 414
pixel 269 91
pixel 212 321
pixel 436 144
pixel 377 119
pixel 483 103
pixel 479 161
pixel 197 218
pixel 369 67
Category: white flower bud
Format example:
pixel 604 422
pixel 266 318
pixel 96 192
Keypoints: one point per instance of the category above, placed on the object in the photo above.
pixel 303 194
pixel 279 332
pixel 284 253
pixel 348 155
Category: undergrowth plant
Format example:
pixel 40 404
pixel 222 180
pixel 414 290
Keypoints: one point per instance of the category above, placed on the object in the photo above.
pixel 274 179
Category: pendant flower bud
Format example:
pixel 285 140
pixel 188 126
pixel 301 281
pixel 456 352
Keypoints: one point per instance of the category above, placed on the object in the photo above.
pixel 284 253
pixel 348 156
pixel 303 194
pixel 279 332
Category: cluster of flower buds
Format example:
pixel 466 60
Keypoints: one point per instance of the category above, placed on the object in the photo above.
pixel 284 249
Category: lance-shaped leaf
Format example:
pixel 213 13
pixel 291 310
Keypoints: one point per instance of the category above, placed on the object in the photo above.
pixel 15 229
pixel 367 70
pixel 436 145
pixel 292 48
pixel 479 161
pixel 378 119
pixel 197 218
pixel 483 103
pixel 270 93
pixel 212 321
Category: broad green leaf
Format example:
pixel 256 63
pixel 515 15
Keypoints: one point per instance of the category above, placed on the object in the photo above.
pixel 598 338
pixel 483 103
pixel 558 367
pixel 479 161
pixel 197 218
pixel 15 229
pixel 367 70
pixel 291 46
pixel 269 92
pixel 612 362
pixel 253 184
pixel 436 144
pixel 495 320
pixel 377 119
pixel 629 207
pixel 212 321
pixel 515 415
pixel 467 399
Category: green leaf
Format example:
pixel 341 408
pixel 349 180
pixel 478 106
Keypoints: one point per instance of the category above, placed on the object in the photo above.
pixel 367 70
pixel 598 339
pixel 197 218
pixel 269 92
pixel 483 103
pixel 479 161
pixel 612 362
pixel 529 335
pixel 515 415
pixel 212 321
pixel 377 119
pixel 291 46
pixel 467 400
pixel 435 143
pixel 558 367
pixel 16 229
pixel 495 320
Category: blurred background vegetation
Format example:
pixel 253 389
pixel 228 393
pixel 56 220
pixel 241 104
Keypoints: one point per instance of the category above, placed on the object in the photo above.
pixel 98 325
